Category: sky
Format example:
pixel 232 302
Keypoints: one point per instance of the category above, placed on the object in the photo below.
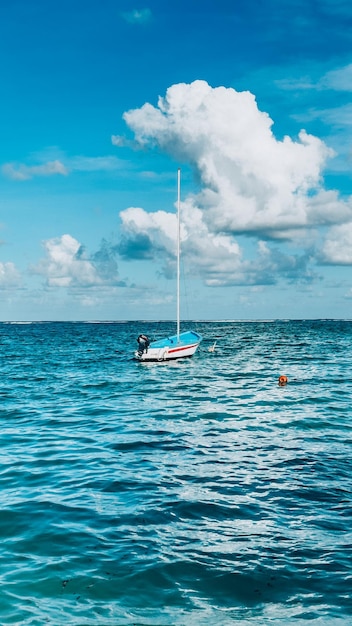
pixel 103 101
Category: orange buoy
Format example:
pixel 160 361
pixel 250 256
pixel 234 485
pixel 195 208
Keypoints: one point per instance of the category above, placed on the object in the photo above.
pixel 283 380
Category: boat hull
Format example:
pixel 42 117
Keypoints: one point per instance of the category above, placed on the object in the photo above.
pixel 171 348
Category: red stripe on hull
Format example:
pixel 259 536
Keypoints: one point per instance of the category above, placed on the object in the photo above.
pixel 180 349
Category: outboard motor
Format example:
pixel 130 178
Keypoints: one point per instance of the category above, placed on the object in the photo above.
pixel 143 344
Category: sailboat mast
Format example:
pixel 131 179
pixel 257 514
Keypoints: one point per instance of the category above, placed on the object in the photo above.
pixel 178 252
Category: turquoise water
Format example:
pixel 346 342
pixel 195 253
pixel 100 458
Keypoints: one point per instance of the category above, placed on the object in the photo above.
pixel 186 493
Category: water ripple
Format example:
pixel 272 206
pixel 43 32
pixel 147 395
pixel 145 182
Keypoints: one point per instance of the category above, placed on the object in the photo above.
pixel 196 492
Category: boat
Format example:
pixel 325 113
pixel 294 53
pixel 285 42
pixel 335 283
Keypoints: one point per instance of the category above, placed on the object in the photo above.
pixel 176 346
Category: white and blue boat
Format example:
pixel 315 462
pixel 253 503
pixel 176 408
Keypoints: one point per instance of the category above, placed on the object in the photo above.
pixel 175 346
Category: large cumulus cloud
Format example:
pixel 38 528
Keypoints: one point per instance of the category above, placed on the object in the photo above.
pixel 250 180
pixel 251 184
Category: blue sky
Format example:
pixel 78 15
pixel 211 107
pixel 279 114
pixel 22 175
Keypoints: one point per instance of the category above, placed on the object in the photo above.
pixel 101 102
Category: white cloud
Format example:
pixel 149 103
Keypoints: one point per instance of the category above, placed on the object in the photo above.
pixel 337 117
pixel 20 171
pixel 122 142
pixel 252 185
pixel 337 247
pixel 251 182
pixel 163 224
pixel 153 236
pixel 149 236
pixel 303 83
pixel 62 166
pixel 338 80
pixel 216 258
pixel 118 140
pixel 9 276
pixel 67 264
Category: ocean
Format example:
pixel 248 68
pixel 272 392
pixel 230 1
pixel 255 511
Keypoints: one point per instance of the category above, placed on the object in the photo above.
pixel 198 492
